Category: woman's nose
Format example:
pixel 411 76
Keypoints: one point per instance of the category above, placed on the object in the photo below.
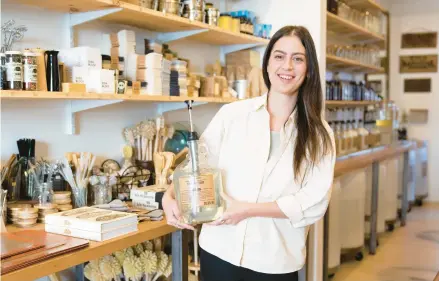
pixel 288 64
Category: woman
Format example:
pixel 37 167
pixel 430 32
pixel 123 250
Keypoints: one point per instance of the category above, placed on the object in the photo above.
pixel 277 155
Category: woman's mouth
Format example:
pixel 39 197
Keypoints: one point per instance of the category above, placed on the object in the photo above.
pixel 286 77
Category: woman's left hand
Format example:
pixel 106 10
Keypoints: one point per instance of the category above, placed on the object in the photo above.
pixel 236 211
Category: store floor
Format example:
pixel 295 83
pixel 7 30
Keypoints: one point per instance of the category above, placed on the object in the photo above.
pixel 409 253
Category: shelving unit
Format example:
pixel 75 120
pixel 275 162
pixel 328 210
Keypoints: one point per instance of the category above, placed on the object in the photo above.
pixel 336 64
pixel 42 95
pixel 369 5
pixel 171 26
pixel 340 103
pixel 352 32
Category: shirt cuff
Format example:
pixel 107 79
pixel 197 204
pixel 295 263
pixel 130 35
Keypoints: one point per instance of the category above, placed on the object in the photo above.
pixel 290 206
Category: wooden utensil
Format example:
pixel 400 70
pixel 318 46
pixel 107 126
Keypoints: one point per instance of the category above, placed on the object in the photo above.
pixel 159 163
pixel 169 161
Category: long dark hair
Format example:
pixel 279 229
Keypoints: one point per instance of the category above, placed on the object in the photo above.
pixel 313 140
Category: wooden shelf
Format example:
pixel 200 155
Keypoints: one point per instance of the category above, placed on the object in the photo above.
pixel 369 5
pixel 340 103
pixel 146 231
pixel 66 6
pixel 334 63
pixel 362 159
pixel 6 94
pixel 351 31
pixel 145 18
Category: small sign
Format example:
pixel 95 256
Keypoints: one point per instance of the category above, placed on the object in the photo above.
pixel 418 64
pixel 422 85
pixel 419 40
pixel 418 116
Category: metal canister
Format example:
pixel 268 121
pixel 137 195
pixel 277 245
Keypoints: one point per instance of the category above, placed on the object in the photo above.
pixel 30 72
pixel 212 16
pixel 14 70
pixel 3 72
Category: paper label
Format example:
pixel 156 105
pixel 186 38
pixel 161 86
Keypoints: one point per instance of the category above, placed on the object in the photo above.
pixel 200 187
pixel 145 204
pixel 14 71
pixel 30 74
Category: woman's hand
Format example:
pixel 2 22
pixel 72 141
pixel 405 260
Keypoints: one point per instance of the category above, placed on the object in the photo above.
pixel 236 211
pixel 172 212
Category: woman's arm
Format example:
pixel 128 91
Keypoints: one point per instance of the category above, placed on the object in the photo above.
pixel 302 208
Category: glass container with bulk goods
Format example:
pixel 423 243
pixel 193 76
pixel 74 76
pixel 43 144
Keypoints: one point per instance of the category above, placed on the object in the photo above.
pixel 197 185
pixel 387 122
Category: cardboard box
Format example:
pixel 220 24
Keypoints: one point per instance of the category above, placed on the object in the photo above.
pixel 245 57
pixel 82 57
pixel 101 81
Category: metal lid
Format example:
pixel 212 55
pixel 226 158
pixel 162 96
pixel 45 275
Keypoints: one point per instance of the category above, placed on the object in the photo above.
pixel 13 53
pixel 29 54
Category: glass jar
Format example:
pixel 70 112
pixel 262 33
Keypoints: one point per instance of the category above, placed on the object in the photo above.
pixel 198 186
pixel 102 189
pixel 44 193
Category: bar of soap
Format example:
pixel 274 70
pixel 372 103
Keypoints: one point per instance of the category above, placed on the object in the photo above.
pixel 73 88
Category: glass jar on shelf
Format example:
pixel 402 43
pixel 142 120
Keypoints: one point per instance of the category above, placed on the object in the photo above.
pixel 44 193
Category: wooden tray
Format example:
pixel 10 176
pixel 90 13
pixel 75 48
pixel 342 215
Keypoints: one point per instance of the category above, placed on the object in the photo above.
pixel 54 245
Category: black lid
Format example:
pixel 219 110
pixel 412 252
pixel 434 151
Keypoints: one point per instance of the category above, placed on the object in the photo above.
pixel 142 84
pixel 192 136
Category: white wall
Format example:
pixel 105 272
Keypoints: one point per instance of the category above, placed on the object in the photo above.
pixel 417 16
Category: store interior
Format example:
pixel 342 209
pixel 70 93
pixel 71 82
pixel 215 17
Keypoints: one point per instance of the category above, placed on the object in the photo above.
pixel 95 121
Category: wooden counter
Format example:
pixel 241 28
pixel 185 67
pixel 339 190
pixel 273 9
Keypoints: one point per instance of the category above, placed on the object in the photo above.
pixel 362 159
pixel 147 231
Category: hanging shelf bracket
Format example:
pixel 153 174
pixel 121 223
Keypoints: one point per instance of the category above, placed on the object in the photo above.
pixel 174 36
pixel 80 18
pixel 72 107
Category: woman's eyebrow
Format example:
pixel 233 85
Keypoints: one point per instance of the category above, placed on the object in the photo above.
pixel 284 53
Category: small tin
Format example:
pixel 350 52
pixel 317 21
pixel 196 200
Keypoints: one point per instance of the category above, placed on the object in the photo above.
pixel 14 70
pixel 30 72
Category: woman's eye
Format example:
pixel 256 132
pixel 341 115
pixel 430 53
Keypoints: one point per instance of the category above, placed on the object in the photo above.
pixel 278 57
pixel 298 59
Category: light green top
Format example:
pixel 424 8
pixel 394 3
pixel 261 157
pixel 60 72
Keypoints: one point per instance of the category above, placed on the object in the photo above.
pixel 274 146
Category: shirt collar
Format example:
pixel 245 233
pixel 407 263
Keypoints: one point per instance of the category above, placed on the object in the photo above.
pixel 262 101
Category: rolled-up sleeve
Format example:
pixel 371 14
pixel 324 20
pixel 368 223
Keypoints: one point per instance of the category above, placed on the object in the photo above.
pixel 309 204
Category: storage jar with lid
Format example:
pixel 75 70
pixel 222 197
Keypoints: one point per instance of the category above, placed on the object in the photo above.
pixel 14 70
pixel 225 21
pixel 3 72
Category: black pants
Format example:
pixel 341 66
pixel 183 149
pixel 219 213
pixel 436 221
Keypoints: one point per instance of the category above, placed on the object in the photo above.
pixel 215 269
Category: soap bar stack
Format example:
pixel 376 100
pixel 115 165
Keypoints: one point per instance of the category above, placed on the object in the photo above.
pixel 166 77
pixel 180 67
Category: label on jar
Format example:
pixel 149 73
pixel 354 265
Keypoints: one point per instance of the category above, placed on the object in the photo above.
pixel 14 71
pixel 200 186
pixel 30 73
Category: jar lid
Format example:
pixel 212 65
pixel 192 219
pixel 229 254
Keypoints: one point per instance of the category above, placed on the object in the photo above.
pixel 29 54
pixel 13 53
pixel 142 84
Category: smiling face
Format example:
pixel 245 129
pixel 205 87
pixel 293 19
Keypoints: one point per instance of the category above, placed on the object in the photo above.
pixel 287 65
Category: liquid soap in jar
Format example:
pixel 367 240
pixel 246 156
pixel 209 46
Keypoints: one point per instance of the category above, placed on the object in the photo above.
pixel 197 185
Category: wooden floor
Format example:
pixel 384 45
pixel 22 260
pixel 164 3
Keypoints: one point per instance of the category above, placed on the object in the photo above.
pixel 409 253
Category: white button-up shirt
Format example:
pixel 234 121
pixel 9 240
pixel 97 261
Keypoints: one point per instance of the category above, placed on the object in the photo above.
pixel 238 139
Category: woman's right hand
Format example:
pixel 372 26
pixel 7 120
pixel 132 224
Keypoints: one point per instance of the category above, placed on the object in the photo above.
pixel 172 211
